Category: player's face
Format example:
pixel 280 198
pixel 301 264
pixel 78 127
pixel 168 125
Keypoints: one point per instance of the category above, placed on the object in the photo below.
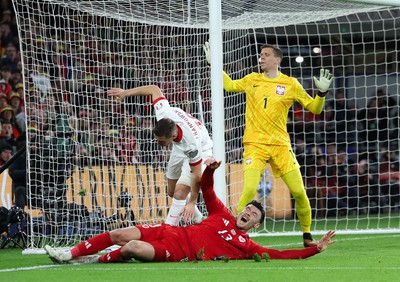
pixel 268 61
pixel 164 141
pixel 248 218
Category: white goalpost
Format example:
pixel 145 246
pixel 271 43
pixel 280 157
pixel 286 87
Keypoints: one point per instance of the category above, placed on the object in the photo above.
pixel 93 164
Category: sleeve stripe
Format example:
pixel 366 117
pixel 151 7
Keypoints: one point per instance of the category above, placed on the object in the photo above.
pixel 158 99
pixel 196 163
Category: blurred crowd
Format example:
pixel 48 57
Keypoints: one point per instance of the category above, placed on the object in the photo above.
pixel 349 156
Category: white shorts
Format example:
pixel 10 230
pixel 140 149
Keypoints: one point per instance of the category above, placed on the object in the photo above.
pixel 179 168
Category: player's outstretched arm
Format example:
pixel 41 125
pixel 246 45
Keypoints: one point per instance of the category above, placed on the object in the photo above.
pixel 326 241
pixel 149 90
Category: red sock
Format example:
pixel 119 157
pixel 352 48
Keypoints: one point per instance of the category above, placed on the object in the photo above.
pixel 92 245
pixel 111 256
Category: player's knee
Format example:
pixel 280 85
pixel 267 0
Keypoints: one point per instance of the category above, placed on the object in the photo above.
pixel 133 249
pixel 299 194
pixel 121 236
pixel 181 192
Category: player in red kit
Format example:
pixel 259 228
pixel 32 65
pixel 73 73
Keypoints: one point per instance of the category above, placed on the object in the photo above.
pixel 219 236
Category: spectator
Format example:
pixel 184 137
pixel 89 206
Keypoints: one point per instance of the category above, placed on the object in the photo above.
pixel 6 34
pixel 336 182
pixel 18 171
pixel 11 57
pixel 363 187
pixel 5 75
pixel 16 102
pixel 6 152
pixel 129 142
pixel 389 176
pixel 3 100
pixel 7 134
pixel 7 115
pixel 149 151
pixel 315 177
pixel 340 121
pixel 375 123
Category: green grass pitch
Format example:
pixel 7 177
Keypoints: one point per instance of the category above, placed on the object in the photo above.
pixel 354 257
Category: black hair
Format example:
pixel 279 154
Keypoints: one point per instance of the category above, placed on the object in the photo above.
pixel 277 51
pixel 164 128
pixel 260 207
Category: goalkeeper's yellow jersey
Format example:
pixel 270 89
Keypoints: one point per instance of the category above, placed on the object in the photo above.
pixel 268 101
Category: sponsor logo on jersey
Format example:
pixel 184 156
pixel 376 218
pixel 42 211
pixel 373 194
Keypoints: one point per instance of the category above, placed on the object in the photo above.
pixel 233 232
pixel 248 161
pixel 280 90
pixel 167 254
pixel 241 239
pixel 192 154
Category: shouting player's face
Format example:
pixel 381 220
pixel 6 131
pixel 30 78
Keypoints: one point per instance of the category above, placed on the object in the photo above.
pixel 248 218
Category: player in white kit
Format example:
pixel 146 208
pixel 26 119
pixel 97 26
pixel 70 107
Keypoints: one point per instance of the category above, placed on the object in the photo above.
pixel 192 145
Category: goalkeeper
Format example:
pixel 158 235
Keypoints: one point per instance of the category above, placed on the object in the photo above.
pixel 269 96
pixel 219 236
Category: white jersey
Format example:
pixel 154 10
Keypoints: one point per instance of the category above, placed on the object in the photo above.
pixel 193 142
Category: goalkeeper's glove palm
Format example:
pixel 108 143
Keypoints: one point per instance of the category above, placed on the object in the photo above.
pixel 207 52
pixel 325 80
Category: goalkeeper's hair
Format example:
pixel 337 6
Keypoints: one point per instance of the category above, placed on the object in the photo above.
pixel 277 51
pixel 260 207
pixel 164 128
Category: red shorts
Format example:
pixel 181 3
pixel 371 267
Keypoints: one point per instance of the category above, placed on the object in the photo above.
pixel 169 242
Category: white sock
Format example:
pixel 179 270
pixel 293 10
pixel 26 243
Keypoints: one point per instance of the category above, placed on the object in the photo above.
pixel 174 214
pixel 198 216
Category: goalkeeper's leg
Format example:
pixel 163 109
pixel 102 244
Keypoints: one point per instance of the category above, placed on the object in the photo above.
pixel 294 182
pixel 251 180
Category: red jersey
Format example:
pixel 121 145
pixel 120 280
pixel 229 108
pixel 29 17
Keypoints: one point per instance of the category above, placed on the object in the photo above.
pixel 216 237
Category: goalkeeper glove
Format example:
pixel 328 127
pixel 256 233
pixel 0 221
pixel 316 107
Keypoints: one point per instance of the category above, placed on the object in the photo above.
pixel 325 80
pixel 207 52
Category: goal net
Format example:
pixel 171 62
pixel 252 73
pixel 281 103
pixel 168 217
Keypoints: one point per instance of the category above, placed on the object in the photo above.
pixel 93 164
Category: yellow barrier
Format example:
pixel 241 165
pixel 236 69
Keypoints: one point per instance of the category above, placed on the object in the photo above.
pixel 146 184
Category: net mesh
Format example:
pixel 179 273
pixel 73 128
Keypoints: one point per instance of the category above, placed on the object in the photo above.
pixel 93 164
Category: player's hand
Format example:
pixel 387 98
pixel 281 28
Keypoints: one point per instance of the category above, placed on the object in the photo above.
pixel 188 212
pixel 117 93
pixel 212 163
pixel 207 52
pixel 325 241
pixel 324 81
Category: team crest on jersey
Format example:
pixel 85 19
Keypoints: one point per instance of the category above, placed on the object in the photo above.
pixel 280 90
pixel 158 106
pixel 191 154
pixel 241 239
pixel 248 161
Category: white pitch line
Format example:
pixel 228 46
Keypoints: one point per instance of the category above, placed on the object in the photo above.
pixel 28 268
